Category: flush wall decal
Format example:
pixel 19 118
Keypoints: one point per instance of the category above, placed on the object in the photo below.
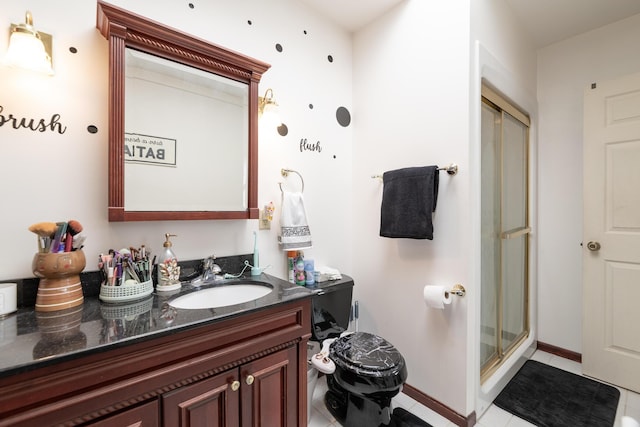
pixel 308 146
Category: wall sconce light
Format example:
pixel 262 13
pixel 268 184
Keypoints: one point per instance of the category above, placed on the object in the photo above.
pixel 268 109
pixel 266 102
pixel 29 48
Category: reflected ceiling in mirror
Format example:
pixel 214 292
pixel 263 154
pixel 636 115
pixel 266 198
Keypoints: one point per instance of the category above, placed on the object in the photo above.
pixel 183 114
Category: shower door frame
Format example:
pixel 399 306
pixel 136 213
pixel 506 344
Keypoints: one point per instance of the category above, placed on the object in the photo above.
pixel 503 106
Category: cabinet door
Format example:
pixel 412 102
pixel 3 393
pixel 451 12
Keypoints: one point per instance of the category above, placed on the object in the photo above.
pixel 269 390
pixel 141 416
pixel 209 403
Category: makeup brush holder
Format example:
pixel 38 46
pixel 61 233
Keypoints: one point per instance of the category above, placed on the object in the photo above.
pixel 60 285
pixel 126 292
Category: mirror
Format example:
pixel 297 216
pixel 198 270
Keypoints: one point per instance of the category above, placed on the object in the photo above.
pixel 183 115
pixel 170 145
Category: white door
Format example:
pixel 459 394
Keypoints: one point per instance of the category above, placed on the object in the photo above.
pixel 611 240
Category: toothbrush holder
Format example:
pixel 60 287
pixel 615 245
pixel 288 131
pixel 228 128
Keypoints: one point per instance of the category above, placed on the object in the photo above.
pixel 59 274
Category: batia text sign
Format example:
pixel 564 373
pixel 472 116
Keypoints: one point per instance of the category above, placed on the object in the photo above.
pixel 149 149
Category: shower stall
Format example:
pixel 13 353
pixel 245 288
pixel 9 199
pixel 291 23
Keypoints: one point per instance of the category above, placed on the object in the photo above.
pixel 505 231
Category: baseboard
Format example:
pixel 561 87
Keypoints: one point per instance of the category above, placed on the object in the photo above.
pixel 558 351
pixel 440 408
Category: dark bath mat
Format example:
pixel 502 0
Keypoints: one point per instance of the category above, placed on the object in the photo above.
pixel 403 418
pixel 550 397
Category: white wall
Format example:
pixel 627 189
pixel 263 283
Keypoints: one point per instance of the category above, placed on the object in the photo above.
pixel 499 31
pixel 504 57
pixel 47 176
pixel 565 69
pixel 418 107
pixel 411 77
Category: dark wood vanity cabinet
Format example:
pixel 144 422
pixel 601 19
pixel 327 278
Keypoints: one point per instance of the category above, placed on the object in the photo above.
pixel 260 393
pixel 145 415
pixel 212 402
pixel 246 371
pixel 273 398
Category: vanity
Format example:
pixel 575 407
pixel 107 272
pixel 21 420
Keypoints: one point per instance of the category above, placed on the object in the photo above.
pixel 147 363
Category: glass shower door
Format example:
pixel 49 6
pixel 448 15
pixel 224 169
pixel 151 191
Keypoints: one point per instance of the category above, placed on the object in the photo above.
pixel 505 232
pixel 490 229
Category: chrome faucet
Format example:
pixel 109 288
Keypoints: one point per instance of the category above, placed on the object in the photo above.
pixel 211 270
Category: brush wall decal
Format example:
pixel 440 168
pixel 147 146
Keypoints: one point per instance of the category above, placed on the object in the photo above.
pixel 37 125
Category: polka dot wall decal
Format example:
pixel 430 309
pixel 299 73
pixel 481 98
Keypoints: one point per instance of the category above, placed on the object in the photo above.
pixel 330 58
pixel 343 116
pixel 92 129
pixel 278 47
pixel 73 50
pixel 283 130
pixel 310 106
pixel 304 31
pixel 191 6
pixel 249 22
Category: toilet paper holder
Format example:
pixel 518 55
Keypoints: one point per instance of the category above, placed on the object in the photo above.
pixel 458 290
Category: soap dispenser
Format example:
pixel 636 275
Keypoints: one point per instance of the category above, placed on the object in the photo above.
pixel 168 268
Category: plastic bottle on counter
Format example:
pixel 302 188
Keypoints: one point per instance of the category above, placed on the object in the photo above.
pixel 299 269
pixel 308 272
pixel 291 261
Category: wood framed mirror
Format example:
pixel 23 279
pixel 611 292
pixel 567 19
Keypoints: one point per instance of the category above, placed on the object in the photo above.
pixel 183 123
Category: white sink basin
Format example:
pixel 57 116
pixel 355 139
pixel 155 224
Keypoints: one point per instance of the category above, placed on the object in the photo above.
pixel 221 296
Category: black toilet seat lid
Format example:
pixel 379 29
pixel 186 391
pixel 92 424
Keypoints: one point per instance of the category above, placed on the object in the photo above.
pixel 366 354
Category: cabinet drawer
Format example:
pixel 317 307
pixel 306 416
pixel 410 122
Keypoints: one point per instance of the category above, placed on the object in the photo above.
pixel 145 415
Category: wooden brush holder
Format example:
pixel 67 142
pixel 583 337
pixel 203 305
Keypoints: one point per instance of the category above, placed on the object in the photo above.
pixel 60 285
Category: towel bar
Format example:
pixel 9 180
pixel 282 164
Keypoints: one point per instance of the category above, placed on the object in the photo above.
pixel 452 169
pixel 285 173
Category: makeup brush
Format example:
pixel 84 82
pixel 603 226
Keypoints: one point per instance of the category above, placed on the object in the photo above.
pixel 44 229
pixel 78 242
pixel 45 232
pixel 73 228
pixel 57 238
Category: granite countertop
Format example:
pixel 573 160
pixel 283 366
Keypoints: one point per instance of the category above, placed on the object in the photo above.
pixel 30 339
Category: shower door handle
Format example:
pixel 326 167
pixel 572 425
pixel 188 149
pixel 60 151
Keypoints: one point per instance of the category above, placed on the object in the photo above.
pixel 516 232
pixel 593 246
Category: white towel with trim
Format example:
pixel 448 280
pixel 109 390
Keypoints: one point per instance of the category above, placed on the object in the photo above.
pixel 294 233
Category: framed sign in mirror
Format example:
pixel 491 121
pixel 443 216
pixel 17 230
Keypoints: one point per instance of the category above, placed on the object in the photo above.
pixel 183 123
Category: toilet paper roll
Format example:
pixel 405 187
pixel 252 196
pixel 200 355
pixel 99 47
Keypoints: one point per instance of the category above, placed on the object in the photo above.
pixel 436 296
pixel 8 298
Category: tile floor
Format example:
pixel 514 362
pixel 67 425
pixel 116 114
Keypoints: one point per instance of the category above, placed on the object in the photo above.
pixel 494 417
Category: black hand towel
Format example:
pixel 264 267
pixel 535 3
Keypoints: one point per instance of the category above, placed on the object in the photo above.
pixel 409 197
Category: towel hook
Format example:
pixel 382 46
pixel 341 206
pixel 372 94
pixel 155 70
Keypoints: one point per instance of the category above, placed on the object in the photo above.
pixel 285 173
